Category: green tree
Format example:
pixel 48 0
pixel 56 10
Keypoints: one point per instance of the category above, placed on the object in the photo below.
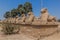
pixel 7 14
pixel 21 9
pixel 28 7
pixel 14 12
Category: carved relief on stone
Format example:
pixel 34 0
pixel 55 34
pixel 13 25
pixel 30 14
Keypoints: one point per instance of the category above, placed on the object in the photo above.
pixel 29 18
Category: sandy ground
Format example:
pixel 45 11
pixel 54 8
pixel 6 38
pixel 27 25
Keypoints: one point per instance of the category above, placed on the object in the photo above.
pixel 21 36
pixel 56 36
pixel 15 37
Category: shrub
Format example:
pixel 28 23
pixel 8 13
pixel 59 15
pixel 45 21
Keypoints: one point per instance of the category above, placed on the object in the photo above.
pixel 10 28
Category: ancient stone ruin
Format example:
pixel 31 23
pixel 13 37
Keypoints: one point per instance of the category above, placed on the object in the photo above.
pixel 30 25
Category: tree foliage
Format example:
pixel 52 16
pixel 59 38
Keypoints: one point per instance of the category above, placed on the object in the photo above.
pixel 14 13
pixel 7 14
pixel 28 7
pixel 22 9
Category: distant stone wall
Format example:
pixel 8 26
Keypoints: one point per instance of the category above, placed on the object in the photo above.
pixel 40 30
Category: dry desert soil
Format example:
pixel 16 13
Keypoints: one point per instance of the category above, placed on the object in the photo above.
pixel 21 36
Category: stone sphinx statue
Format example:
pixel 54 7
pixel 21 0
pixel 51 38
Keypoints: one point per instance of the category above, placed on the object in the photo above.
pixel 29 18
pixel 21 19
pixel 45 17
pixel 5 20
pixel 51 19
pixel 8 20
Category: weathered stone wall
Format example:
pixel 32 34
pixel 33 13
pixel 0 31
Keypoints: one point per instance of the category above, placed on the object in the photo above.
pixel 37 31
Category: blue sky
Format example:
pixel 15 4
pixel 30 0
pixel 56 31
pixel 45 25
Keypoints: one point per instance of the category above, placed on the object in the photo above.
pixel 53 6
